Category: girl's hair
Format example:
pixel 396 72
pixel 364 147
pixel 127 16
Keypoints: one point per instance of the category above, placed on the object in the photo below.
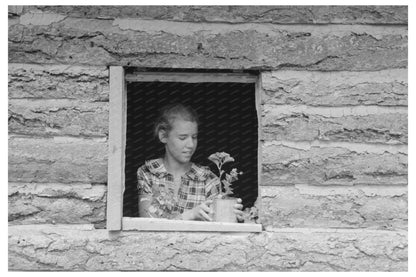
pixel 169 113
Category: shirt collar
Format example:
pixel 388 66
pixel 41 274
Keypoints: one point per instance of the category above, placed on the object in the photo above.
pixel 196 173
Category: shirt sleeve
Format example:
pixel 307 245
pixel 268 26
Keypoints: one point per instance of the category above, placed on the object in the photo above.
pixel 146 209
pixel 212 187
pixel 143 183
pixel 152 203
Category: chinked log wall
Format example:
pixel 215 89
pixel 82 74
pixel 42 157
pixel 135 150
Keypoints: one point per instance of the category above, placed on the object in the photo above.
pixel 334 134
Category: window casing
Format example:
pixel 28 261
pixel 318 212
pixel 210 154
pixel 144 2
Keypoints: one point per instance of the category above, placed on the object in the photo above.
pixel 117 146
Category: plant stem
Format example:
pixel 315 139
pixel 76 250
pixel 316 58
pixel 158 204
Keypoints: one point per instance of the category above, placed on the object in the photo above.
pixel 219 170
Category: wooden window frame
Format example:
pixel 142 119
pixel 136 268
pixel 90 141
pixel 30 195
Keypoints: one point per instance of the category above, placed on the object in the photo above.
pixel 117 144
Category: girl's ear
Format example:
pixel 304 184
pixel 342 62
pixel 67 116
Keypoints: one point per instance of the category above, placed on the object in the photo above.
pixel 162 136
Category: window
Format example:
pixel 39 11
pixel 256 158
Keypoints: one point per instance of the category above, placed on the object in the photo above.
pixel 135 97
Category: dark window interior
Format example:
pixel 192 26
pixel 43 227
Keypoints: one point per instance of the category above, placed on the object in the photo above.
pixel 228 123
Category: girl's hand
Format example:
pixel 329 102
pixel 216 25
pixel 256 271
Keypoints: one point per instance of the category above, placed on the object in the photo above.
pixel 238 210
pixel 200 212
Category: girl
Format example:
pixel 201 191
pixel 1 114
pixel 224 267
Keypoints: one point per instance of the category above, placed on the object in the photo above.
pixel 172 186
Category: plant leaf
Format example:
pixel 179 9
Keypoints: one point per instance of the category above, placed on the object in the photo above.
pixel 227 187
pixel 228 191
pixel 214 158
pixel 226 184
pixel 228 158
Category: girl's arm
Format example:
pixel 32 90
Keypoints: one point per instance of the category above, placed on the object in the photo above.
pixel 145 194
pixel 152 205
pixel 149 207
pixel 145 207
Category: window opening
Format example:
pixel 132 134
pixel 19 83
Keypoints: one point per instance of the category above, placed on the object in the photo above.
pixel 226 103
pixel 228 123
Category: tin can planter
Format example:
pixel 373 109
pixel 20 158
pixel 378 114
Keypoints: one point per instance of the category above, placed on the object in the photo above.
pixel 224 210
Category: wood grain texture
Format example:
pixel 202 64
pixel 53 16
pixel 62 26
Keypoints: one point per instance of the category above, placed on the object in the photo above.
pixel 157 224
pixel 116 142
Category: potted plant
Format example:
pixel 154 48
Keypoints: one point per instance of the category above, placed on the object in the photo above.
pixel 223 204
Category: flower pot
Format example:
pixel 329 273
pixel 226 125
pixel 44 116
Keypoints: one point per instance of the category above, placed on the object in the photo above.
pixel 224 210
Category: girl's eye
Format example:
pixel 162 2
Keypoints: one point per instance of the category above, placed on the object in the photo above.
pixel 182 138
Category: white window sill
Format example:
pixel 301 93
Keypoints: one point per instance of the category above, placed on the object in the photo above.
pixel 158 224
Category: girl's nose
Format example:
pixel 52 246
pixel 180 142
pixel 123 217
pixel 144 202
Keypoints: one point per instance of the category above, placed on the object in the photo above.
pixel 190 143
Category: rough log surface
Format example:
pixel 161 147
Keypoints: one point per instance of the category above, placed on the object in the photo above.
pixel 383 88
pixel 57 160
pixel 305 206
pixel 348 124
pixel 234 14
pixel 334 164
pixel 80 247
pixel 58 117
pixel 58 82
pixel 31 203
pixel 50 38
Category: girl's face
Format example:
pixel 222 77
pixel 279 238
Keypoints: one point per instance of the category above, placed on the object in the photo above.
pixel 181 141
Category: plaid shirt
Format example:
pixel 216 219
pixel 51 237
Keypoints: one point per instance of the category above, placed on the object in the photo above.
pixel 197 185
